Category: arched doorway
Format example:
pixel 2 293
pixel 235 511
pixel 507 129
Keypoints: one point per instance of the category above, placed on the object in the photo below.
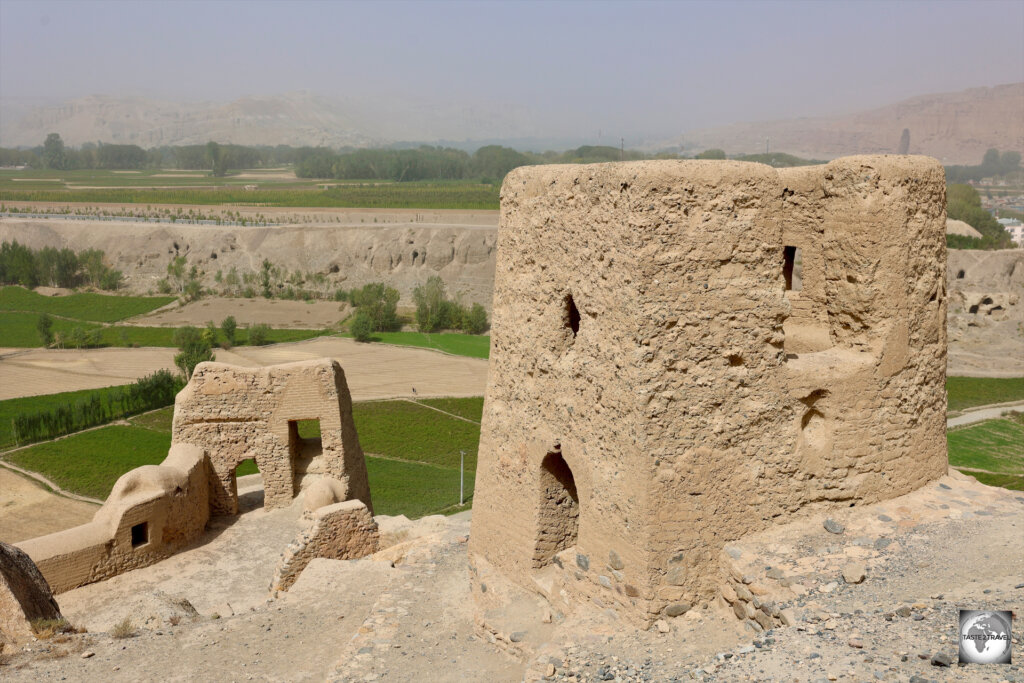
pixel 559 511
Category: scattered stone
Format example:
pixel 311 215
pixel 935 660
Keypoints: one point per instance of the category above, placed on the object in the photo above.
pixel 550 669
pixel 662 626
pixel 855 642
pixel 903 611
pixel 853 572
pixel 677 609
pixel 834 527
pixel 788 617
pixel 583 562
pixel 948 488
pixel 885 518
pixel 517 636
pixel 774 573
pixel 87 654
pixel 882 543
pixel 941 659
pixel 614 561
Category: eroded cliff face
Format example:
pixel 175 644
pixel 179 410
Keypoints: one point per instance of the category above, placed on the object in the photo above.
pixel 402 254
pixel 986 312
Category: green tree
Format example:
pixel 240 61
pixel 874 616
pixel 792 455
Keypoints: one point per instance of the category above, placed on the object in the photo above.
pixel 475 319
pixel 362 326
pixel 54 154
pixel 380 302
pixel 210 333
pixel 265 278
pixel 45 327
pixel 193 350
pixel 711 154
pixel 217 158
pixel 433 310
pixel 259 334
pixel 228 326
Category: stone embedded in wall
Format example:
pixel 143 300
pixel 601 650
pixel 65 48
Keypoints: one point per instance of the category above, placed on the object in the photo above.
pixel 342 531
pixel 24 595
pixel 685 352
pixel 238 413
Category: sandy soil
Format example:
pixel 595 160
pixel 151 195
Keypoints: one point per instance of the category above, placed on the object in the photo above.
pixel 373 370
pixel 28 372
pixel 273 312
pixel 28 510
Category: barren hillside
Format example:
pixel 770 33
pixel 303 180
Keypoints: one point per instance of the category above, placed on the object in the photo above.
pixel 404 253
pixel 956 128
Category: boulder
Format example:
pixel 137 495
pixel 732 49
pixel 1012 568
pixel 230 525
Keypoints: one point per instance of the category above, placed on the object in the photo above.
pixel 24 594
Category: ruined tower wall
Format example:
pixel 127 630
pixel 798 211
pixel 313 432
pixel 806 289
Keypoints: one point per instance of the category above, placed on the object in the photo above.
pixel 553 390
pixel 240 413
pixel 706 422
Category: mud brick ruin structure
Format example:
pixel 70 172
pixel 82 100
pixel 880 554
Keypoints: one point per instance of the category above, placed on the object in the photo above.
pixel 240 413
pixel 225 415
pixel 684 352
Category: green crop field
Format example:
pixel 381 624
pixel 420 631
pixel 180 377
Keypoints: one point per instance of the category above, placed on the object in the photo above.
pixel 413 195
pixel 967 392
pixel 472 345
pixel 412 453
pixel 19 329
pixel 470 408
pixel 89 463
pixel 104 308
pixel 995 446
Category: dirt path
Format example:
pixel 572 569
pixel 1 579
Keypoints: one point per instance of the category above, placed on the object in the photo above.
pixel 983 413
pixel 373 371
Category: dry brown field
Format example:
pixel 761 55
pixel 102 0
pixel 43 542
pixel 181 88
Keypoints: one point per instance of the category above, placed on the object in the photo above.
pixel 373 371
pixel 277 313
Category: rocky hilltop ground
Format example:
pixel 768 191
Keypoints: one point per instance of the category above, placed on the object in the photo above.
pixel 872 595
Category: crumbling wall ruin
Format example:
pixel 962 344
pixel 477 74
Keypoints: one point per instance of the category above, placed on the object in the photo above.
pixel 708 348
pixel 239 413
pixel 341 531
pixel 151 513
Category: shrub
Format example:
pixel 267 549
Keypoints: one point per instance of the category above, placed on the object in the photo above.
pixel 228 326
pixel 123 629
pixel 362 326
pixel 259 335
pixel 194 349
pixel 45 326
pixel 474 320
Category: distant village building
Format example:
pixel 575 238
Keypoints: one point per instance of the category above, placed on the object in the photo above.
pixel 1015 228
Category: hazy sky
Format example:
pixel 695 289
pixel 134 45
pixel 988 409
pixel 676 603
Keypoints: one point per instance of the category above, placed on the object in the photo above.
pixel 646 67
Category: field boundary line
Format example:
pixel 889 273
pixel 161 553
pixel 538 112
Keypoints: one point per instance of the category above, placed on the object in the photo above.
pixel 46 482
pixel 411 462
pixel 451 415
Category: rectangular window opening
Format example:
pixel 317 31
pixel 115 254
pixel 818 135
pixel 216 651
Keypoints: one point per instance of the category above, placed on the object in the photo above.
pixel 792 268
pixel 140 534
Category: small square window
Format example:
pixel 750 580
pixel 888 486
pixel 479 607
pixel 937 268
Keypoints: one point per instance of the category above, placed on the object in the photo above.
pixel 140 534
